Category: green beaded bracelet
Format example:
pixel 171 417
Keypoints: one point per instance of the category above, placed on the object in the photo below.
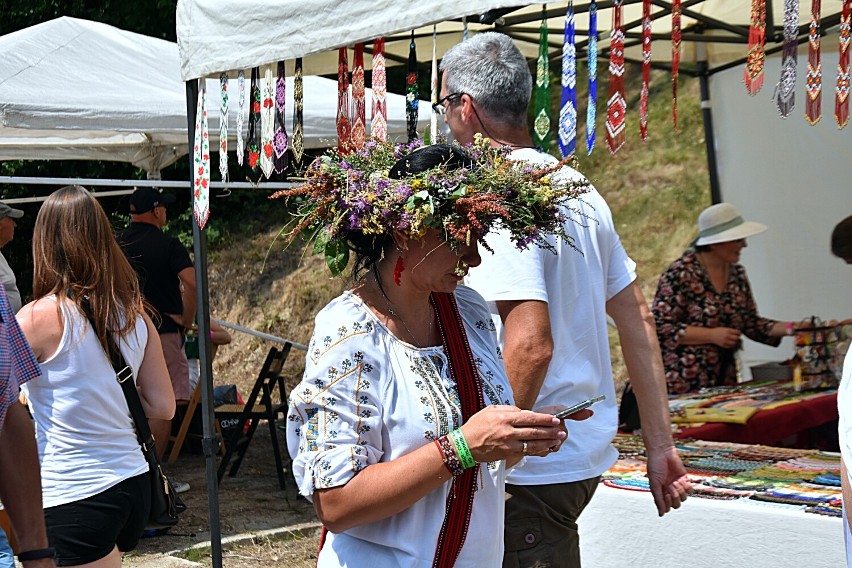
pixel 462 448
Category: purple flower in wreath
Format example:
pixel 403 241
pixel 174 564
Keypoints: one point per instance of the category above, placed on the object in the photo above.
pixel 280 93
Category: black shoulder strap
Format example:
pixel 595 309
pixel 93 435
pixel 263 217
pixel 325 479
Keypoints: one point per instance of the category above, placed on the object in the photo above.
pixel 124 376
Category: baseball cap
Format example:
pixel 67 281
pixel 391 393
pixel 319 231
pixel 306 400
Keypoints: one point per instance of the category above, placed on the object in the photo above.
pixel 6 211
pixel 145 199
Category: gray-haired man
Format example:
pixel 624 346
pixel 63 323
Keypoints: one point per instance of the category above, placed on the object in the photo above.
pixel 7 233
pixel 553 312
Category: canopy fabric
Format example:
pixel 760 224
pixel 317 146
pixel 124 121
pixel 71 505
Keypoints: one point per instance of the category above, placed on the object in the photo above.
pixel 229 35
pixel 82 90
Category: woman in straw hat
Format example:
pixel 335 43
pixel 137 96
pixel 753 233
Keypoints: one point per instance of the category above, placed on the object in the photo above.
pixel 704 305
pixel 403 425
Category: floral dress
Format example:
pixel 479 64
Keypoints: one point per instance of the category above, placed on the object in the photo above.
pixel 686 297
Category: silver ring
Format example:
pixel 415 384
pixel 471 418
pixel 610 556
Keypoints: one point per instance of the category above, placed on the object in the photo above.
pixel 524 447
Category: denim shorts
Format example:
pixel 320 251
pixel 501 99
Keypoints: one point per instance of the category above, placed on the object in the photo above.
pixel 88 530
pixel 7 559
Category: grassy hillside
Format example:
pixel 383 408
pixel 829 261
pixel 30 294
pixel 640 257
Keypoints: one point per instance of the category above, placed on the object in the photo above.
pixel 655 190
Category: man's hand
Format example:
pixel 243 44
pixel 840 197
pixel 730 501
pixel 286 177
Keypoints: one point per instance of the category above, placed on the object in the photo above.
pixel 667 476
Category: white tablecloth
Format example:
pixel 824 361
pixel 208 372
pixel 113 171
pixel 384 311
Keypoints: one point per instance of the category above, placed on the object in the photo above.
pixel 621 528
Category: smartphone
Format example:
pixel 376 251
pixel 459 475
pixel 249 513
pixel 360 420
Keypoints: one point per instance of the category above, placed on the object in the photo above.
pixel 578 407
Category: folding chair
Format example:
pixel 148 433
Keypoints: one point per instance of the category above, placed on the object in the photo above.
pixel 178 439
pixel 268 407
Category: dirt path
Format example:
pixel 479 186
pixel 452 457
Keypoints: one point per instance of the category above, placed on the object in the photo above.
pixel 251 502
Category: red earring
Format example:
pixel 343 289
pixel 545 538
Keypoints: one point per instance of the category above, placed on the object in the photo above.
pixel 397 270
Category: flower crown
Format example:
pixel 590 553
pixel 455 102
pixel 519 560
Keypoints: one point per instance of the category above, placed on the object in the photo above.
pixel 353 193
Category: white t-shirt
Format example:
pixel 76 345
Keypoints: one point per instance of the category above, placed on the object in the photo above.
pixel 8 281
pixel 367 397
pixel 86 438
pixel 576 286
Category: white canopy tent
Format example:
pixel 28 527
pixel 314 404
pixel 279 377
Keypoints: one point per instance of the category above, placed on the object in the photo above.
pixel 757 160
pixel 81 90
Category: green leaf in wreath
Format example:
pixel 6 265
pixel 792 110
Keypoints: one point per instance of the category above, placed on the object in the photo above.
pixel 336 256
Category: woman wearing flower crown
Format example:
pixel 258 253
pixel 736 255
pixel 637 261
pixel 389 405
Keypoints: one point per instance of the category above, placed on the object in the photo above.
pixel 403 424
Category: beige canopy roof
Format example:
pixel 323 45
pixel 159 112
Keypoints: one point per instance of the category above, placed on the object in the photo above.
pixel 229 35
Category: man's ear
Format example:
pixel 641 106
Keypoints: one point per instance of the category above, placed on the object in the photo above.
pixel 466 110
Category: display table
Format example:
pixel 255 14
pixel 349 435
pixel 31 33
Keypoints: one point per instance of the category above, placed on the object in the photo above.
pixel 770 427
pixel 751 506
pixel 621 528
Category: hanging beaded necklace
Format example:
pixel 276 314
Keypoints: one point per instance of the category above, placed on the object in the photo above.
pixel 393 313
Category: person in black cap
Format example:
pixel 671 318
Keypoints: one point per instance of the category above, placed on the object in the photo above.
pixel 7 233
pixel 167 277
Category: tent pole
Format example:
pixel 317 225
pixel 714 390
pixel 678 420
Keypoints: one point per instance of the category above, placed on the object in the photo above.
pixel 202 317
pixel 707 115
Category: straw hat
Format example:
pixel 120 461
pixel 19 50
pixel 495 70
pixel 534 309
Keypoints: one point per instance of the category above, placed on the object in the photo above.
pixel 721 223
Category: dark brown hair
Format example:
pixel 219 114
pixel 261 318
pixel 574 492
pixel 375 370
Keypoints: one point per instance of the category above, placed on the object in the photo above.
pixel 841 239
pixel 76 256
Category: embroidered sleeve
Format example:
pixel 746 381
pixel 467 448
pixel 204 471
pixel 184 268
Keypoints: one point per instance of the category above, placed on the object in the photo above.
pixel 334 420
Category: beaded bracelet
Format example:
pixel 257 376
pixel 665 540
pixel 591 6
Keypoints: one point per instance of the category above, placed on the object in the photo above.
pixel 462 448
pixel 449 455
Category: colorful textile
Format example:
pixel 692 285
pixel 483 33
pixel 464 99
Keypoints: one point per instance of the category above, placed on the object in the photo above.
pixel 646 69
pixel 462 368
pixel 359 114
pixel 267 121
pixel 297 143
pixel 280 141
pixel 813 102
pixel 841 101
pixel 412 96
pixel 686 296
pixel 223 127
pixel 241 114
pixel 344 130
pixel 616 105
pixel 592 108
pixel 568 110
pixel 379 125
pixel 676 36
pixel 253 141
pixel 541 123
pixel 753 72
pixel 201 158
pixel 17 361
pixel 786 90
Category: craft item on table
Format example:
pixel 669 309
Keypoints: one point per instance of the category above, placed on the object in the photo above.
pixel 241 113
pixel 616 106
pixel 267 121
pixel 541 109
pixel 770 453
pixel 832 479
pixel 775 473
pixel 753 72
pixel 815 348
pixel 412 94
pixel 433 118
pixel 592 107
pixel 676 37
pixel 629 484
pixel 827 510
pixel 813 88
pixel 646 69
pixel 344 129
pixel 297 142
pixel 253 142
pixel 568 110
pixel 708 492
pixel 223 127
pixel 738 415
pixel 359 103
pixel 736 484
pixel 723 465
pixel 280 141
pixel 841 101
pixel 201 159
pixel 785 96
pixel 379 124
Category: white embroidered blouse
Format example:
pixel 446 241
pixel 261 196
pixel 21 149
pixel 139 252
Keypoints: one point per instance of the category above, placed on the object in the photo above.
pixel 368 397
